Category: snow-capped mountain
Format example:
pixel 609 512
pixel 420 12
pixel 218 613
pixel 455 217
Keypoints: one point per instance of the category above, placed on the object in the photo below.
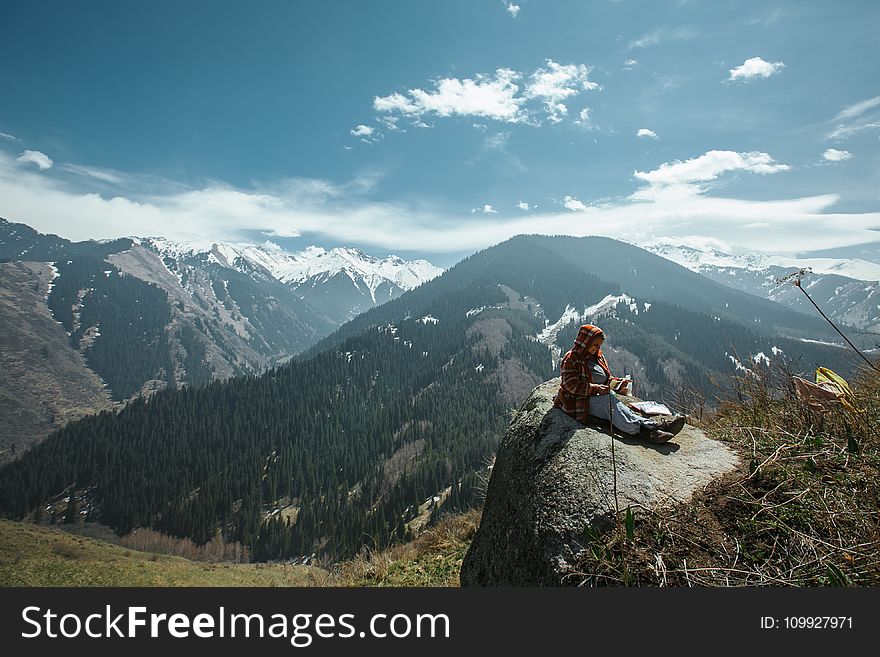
pixel 845 288
pixel 699 260
pixel 340 283
pixel 145 313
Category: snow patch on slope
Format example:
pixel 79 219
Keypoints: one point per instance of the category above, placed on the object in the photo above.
pixel 571 314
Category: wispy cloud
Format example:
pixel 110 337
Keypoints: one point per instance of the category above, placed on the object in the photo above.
pixel 630 64
pixel 496 143
pixel 834 155
pixel 5 135
pixel 662 35
pixel 755 67
pixel 42 160
pixel 104 175
pixel 584 120
pixel 647 134
pixel 344 212
pixel 858 109
pixel 768 20
pixel 497 97
pixel 486 209
pixel 525 207
pixel 856 118
pixel 846 131
pixel 391 123
pixel 512 9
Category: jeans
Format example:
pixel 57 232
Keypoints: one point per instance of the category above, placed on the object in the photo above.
pixel 625 419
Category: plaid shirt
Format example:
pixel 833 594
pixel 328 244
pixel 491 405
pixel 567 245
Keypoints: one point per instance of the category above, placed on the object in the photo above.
pixel 577 385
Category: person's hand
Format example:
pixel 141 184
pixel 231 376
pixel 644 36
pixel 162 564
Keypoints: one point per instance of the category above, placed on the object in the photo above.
pixel 601 390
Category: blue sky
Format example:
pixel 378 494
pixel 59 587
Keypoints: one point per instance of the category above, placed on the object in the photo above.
pixel 434 129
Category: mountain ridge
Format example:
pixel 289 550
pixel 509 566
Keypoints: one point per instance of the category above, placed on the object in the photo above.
pixel 847 289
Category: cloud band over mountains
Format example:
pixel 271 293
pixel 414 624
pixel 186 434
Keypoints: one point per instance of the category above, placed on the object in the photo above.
pixel 673 202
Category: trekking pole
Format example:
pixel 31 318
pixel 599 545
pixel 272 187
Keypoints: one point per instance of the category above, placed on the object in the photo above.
pixel 795 278
pixel 614 480
pixel 613 459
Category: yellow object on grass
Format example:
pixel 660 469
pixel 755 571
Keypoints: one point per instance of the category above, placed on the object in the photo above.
pixel 832 381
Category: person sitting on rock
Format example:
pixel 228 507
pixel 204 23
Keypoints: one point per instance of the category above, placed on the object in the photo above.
pixel 585 391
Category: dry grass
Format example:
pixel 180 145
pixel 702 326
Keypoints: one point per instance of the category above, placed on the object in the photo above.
pixel 802 511
pixel 432 559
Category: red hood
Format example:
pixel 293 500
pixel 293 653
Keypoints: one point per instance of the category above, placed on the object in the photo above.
pixel 586 335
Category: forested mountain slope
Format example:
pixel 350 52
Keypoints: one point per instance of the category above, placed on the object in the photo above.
pixel 396 413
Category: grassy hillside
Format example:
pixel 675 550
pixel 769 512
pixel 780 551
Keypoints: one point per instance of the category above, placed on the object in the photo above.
pixel 804 510
pixel 36 555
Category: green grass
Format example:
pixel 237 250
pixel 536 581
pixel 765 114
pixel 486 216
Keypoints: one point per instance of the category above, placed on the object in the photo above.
pixel 37 555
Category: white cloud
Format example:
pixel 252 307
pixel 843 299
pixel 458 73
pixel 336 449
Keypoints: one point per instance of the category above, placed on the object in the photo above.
pixel 834 155
pixel 5 135
pixel 42 160
pixel 486 209
pixel 554 83
pixel 584 120
pixel 367 134
pixel 709 166
pixel 513 9
pixel 394 103
pixel 630 64
pixel 663 35
pixel 571 203
pixel 497 97
pixel 362 131
pixel 755 67
pixel 322 210
pixel 645 132
pixel 525 207
pixel 491 97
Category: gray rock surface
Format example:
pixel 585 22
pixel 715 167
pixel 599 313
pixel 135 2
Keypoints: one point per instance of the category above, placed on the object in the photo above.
pixel 553 478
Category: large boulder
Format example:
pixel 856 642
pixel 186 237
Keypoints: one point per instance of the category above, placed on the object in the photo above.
pixel 553 478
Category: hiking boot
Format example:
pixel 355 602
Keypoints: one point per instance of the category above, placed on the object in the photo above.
pixel 672 424
pixel 652 432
